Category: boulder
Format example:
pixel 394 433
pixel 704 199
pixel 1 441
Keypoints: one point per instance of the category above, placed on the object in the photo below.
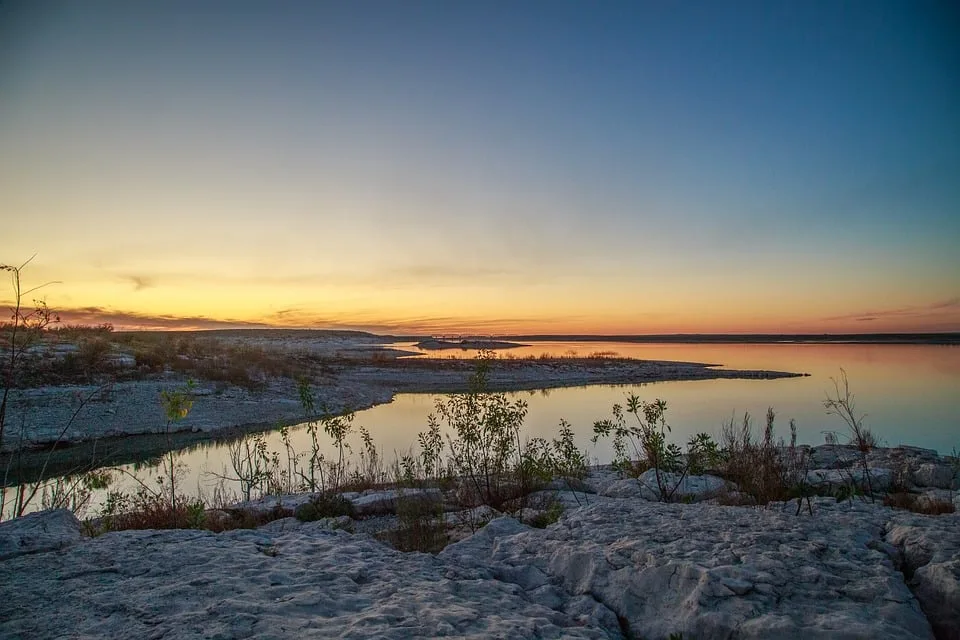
pixel 379 502
pixel 880 479
pixel 931 564
pixel 682 488
pixel 39 532
pixel 936 475
pixel 713 572
pixel 676 487
pixel 305 581
pixel 624 488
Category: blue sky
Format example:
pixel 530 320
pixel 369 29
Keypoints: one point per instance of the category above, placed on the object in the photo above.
pixel 555 166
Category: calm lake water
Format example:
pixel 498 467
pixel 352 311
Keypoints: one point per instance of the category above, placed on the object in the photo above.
pixel 910 393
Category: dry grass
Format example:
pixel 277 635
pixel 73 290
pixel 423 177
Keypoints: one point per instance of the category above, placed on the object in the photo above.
pixel 421 526
pixel 915 503
pixel 158 514
pixel 766 470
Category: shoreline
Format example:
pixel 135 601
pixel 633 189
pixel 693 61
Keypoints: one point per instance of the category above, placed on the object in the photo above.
pixel 613 561
pixel 125 423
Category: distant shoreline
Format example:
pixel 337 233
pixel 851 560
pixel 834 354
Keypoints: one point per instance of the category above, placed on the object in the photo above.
pixel 467 345
pixel 759 338
pixel 944 338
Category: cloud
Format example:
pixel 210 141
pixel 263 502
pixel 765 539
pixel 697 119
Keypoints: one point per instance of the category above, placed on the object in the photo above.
pixel 416 275
pixel 949 306
pixel 140 282
pixel 132 320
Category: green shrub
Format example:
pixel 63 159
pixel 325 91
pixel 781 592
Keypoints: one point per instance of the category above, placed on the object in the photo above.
pixel 420 525
pixel 647 438
pixel 545 518
pixel 324 506
pixel 485 447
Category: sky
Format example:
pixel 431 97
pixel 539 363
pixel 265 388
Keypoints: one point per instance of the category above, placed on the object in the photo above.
pixel 485 167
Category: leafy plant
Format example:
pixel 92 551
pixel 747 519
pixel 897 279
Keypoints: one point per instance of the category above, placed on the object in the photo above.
pixel 647 438
pixel 324 506
pixel 547 517
pixel 176 406
pixel 338 428
pixel 18 338
pixel 420 525
pixel 485 449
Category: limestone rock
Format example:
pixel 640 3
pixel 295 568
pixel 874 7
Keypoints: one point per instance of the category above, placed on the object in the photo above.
pixel 688 488
pixel 625 488
pixel 714 572
pixel 675 487
pixel 38 532
pixel 881 479
pixel 931 553
pixel 379 502
pixel 302 582
pixel 937 475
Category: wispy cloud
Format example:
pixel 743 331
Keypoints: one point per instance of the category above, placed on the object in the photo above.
pixel 417 275
pixel 140 282
pixel 134 320
pixel 305 319
pixel 943 307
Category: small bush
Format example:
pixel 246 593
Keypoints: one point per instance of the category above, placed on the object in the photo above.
pixel 324 506
pixel 647 440
pixel 916 503
pixel 421 526
pixel 545 518
pixel 485 449
pixel 766 470
pixel 151 512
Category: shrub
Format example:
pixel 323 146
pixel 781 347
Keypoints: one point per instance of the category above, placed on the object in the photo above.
pixel 420 525
pixel 547 517
pixel 842 405
pixel 324 506
pixel 648 441
pixel 485 449
pixel 918 504
pixel 146 510
pixel 765 470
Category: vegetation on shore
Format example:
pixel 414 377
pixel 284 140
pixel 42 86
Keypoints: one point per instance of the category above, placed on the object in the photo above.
pixel 471 455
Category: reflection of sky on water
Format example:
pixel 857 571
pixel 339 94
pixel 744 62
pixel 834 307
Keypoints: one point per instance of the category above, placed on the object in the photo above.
pixel 909 393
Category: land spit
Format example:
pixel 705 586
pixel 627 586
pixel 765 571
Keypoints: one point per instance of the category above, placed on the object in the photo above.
pixel 40 417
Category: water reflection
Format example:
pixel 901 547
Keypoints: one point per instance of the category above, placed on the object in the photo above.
pixel 909 393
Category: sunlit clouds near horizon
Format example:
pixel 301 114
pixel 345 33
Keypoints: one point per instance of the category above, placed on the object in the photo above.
pixel 494 168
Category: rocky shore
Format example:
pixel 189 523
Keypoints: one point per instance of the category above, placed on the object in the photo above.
pixel 615 565
pixel 44 415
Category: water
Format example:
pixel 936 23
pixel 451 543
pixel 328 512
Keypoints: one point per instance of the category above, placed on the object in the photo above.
pixel 910 393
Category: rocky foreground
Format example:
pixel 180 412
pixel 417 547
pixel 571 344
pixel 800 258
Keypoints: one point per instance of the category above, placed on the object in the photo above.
pixel 611 567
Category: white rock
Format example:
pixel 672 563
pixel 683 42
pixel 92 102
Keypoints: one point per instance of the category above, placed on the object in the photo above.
pixel 472 518
pixel 38 532
pixel 937 475
pixel 715 572
pixel 880 479
pixel 677 487
pixel 931 552
pixel 625 488
pixel 303 582
pixel 379 502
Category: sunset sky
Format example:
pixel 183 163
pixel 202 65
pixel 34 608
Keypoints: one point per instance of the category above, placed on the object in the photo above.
pixel 486 167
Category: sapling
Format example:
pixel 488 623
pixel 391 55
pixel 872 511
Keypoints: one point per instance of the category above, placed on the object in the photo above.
pixel 648 440
pixel 842 405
